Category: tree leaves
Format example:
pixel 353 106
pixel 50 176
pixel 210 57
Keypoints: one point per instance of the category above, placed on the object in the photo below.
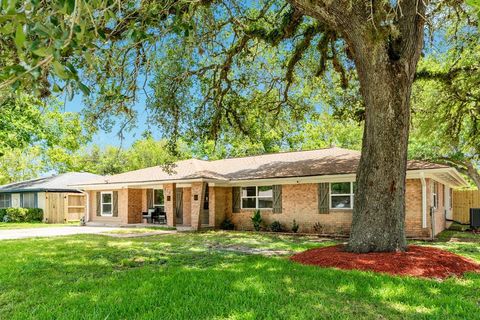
pixel 19 37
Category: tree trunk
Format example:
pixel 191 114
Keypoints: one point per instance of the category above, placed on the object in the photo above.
pixel 379 208
pixel 472 172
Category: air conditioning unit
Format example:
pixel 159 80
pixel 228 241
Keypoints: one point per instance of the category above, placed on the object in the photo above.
pixel 475 217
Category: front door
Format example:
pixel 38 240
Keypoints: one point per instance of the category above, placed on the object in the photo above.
pixel 179 206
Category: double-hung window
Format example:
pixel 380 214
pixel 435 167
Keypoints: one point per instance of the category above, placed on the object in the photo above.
pixel 5 200
pixel 107 204
pixel 257 197
pixel 341 195
pixel 158 199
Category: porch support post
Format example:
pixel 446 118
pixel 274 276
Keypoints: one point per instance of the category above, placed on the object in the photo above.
pixel 170 194
pixel 198 196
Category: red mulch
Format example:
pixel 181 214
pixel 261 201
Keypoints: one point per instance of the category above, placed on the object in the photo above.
pixel 418 261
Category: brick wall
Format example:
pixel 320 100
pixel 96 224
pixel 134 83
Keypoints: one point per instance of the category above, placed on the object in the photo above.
pixel 187 206
pixel 220 204
pixel 197 198
pixel 299 202
pixel 122 208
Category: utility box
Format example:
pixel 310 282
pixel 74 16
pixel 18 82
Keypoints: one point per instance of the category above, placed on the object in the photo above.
pixel 475 217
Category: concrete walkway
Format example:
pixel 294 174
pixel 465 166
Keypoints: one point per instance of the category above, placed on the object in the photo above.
pixel 52 232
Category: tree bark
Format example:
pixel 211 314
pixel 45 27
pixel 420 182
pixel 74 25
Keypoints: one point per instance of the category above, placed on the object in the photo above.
pixel 386 72
pixel 386 63
pixel 379 206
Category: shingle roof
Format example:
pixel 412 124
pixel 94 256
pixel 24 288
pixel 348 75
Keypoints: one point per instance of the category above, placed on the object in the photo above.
pixel 56 183
pixel 329 161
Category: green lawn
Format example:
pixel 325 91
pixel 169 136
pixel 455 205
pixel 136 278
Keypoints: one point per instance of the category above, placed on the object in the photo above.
pixel 23 225
pixel 195 276
pixel 141 230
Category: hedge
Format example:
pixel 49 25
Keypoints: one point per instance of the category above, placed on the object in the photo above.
pixel 21 214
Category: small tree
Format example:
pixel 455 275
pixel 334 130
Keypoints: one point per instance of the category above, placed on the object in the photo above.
pixel 257 220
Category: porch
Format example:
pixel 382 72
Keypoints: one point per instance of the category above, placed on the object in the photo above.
pixel 187 206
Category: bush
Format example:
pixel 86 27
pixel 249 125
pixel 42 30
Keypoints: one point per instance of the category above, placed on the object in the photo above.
pixel 3 213
pixel 257 220
pixel 34 215
pixel 227 224
pixel 295 226
pixel 22 215
pixel 16 214
pixel 276 226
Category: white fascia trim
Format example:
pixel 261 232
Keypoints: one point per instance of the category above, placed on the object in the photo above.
pixel 413 174
pixel 424 200
pixel 433 174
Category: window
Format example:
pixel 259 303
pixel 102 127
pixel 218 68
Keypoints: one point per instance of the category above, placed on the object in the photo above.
pixel 435 195
pixel 5 200
pixel 158 199
pixel 342 194
pixel 257 197
pixel 107 203
pixel 28 200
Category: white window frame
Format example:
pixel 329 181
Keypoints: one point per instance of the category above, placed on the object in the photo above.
pixel 158 205
pixel 256 198
pixel 102 203
pixel 434 194
pixel 351 194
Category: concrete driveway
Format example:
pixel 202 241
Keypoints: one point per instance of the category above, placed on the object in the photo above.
pixel 51 232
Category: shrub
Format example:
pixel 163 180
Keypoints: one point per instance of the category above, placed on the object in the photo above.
pixel 257 220
pixel 295 226
pixel 16 214
pixel 34 214
pixel 22 215
pixel 276 226
pixel 3 213
pixel 227 224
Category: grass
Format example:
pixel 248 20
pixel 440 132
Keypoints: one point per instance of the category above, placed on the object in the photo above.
pixel 141 230
pixel 25 225
pixel 449 234
pixel 190 276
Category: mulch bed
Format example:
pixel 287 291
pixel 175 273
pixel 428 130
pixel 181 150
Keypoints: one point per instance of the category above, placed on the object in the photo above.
pixel 418 261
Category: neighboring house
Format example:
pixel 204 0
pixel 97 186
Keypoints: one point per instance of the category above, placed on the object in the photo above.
pixel 313 187
pixel 54 194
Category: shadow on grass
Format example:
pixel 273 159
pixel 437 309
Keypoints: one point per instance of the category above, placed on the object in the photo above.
pixel 178 277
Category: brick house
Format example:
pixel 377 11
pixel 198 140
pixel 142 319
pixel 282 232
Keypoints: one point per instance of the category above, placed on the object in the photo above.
pixel 312 187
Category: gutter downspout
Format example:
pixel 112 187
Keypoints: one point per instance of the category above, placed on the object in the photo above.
pixel 87 205
pixel 424 200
